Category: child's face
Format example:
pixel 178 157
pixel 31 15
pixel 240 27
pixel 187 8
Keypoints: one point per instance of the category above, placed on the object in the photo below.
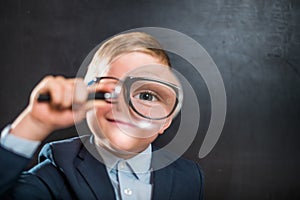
pixel 102 118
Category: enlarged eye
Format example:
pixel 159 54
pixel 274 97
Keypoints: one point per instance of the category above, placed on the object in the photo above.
pixel 146 96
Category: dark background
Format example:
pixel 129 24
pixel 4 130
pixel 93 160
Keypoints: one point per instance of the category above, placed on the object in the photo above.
pixel 255 44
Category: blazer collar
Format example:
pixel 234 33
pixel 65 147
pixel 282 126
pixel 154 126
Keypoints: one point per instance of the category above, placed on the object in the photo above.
pixel 99 182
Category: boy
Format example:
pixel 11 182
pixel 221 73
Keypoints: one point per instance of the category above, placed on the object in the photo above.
pixel 107 165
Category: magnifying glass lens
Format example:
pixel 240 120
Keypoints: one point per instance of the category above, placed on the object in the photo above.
pixel 151 98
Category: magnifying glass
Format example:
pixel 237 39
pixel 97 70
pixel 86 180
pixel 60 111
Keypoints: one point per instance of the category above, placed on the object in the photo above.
pixel 146 98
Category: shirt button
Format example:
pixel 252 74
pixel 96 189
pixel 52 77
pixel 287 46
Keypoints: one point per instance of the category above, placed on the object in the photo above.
pixel 128 191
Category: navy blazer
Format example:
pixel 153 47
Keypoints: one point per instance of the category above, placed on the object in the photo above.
pixel 67 170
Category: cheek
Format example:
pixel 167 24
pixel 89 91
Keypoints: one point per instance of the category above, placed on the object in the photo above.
pixel 96 118
pixel 102 111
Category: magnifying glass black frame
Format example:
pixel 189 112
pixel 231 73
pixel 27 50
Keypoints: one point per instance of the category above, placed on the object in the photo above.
pixel 127 83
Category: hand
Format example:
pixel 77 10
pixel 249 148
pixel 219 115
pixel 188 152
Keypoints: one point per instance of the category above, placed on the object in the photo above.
pixel 39 119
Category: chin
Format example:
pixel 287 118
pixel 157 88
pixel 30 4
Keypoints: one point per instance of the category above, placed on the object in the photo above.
pixel 126 144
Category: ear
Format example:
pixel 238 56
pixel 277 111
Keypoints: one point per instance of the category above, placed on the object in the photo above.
pixel 166 125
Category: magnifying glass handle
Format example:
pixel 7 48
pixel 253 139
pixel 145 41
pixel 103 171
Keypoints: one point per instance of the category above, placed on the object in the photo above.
pixel 46 97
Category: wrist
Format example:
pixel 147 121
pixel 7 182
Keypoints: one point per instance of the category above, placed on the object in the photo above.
pixel 27 127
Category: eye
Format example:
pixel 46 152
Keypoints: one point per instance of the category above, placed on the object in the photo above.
pixel 146 96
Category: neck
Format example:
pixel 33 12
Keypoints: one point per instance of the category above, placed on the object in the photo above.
pixel 115 151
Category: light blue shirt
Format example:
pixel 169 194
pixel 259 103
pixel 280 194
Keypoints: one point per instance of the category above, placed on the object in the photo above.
pixel 130 178
pixel 18 145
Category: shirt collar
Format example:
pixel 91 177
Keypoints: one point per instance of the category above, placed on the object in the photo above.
pixel 139 164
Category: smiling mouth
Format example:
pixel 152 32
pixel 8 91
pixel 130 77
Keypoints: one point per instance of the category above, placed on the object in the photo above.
pixel 120 122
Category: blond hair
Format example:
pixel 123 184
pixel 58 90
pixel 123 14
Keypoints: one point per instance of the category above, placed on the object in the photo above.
pixel 126 43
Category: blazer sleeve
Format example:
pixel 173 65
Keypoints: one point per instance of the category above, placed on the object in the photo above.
pixel 43 181
pixel 11 167
pixel 32 185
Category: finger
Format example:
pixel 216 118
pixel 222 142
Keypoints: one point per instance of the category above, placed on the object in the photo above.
pixel 60 91
pixel 56 89
pixel 49 85
pixel 80 91
pixel 68 93
pixel 80 111
pixel 63 91
pixel 89 105
pixel 40 88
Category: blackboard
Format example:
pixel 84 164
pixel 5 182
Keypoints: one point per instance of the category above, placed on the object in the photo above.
pixel 254 43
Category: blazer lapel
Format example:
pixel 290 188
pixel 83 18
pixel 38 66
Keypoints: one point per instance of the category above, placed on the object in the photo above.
pixel 163 177
pixel 162 183
pixel 95 174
